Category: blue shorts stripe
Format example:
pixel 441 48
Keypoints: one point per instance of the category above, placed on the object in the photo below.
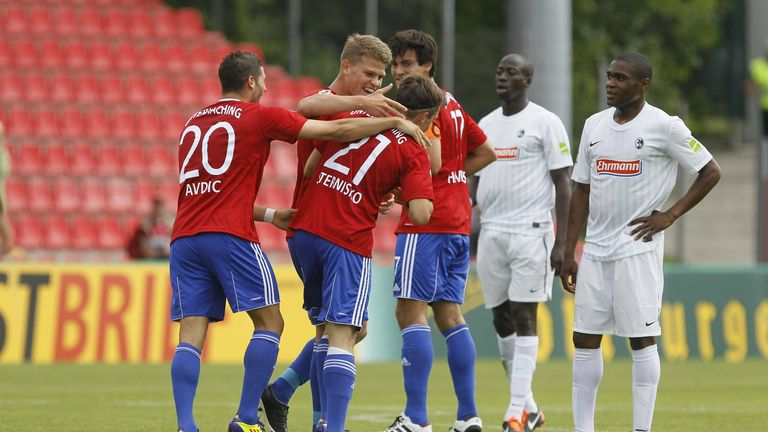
pixel 362 289
pixel 411 240
pixel 269 289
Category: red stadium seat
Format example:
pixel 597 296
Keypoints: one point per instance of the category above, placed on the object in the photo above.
pixel 93 196
pixel 161 162
pixel 67 22
pixel 56 160
pixel 97 124
pixel 51 55
pixel 62 88
pixel 19 123
pixel 176 60
pixel 100 57
pixel 6 54
pixel 115 23
pixel 270 238
pixel 82 160
pixel 35 88
pixel 29 232
pixel 84 233
pixel 134 163
pixel 148 124
pixel 46 123
pixel 87 90
pixel 126 56
pixel 164 23
pixel 66 192
pixel 210 91
pixel 189 23
pixel 151 58
pixel 76 55
pixel 187 92
pixel 140 23
pixel 89 22
pixel 162 91
pixel 71 124
pixel 137 90
pixel 172 124
pixel 119 196
pixel 143 194
pixel 11 88
pixel 123 125
pixel 110 234
pixel 39 195
pixel 25 55
pixel 200 61
pixel 40 21
pixel 16 191
pixel 57 234
pixel 112 90
pixel 14 20
pixel 27 159
pixel 109 161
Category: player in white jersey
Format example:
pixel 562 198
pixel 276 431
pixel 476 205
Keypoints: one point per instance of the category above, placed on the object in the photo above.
pixel 518 253
pixel 625 170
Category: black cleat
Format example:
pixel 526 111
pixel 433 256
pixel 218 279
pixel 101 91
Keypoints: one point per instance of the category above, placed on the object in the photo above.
pixel 275 411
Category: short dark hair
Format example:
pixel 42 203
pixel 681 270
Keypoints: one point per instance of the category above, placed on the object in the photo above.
pixel 641 65
pixel 235 69
pixel 419 93
pixel 421 43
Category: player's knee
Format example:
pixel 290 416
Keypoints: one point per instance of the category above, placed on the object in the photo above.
pixel 502 321
pixel 448 315
pixel 268 318
pixel 586 341
pixel 410 312
pixel 362 333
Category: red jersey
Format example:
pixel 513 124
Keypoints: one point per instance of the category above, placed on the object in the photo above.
pixel 303 150
pixel 222 152
pixel 459 136
pixel 342 200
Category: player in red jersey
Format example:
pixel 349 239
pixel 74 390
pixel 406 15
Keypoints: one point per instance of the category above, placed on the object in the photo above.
pixel 432 260
pixel 215 253
pixel 362 67
pixel 334 225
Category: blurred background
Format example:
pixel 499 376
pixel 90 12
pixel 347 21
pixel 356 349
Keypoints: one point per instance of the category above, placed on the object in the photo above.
pixel 94 94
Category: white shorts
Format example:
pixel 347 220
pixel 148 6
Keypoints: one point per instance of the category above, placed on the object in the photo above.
pixel 621 297
pixel 515 267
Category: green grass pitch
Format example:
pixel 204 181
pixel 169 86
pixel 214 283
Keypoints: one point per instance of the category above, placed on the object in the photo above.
pixel 693 396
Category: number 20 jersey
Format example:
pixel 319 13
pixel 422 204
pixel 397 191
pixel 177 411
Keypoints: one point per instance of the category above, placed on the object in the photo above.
pixel 222 152
pixel 341 202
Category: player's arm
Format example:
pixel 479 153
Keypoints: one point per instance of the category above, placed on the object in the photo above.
pixel 419 210
pixel 349 129
pixel 479 158
pixel 561 180
pixel 434 151
pixel 327 104
pixel 279 218
pixel 577 217
pixel 658 221
pixel 474 183
pixel 312 161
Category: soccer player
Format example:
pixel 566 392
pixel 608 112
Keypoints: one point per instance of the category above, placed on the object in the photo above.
pixel 215 252
pixel 518 252
pixel 625 170
pixel 334 224
pixel 432 260
pixel 362 67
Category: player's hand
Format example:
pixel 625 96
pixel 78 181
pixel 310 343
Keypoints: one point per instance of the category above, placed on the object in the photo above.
pixel 397 194
pixel 415 131
pixel 568 272
pixel 650 225
pixel 378 105
pixel 386 205
pixel 556 257
pixel 283 218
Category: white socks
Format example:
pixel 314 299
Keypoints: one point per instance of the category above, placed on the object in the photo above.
pixel 519 356
pixel 587 372
pixel 645 380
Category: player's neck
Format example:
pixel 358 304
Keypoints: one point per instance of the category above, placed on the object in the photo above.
pixel 338 87
pixel 233 95
pixel 628 112
pixel 513 107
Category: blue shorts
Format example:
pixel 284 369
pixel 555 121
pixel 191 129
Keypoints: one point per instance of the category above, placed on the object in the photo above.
pixel 337 282
pixel 208 268
pixel 294 256
pixel 431 267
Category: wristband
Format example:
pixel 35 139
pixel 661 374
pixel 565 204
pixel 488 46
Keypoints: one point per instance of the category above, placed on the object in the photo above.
pixel 269 215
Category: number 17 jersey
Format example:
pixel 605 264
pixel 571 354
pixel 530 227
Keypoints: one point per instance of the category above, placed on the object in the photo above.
pixel 222 152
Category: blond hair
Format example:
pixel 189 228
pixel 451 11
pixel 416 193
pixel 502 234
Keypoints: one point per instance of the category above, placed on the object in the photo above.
pixel 358 46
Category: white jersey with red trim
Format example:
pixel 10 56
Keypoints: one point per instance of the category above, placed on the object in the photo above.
pixel 516 191
pixel 631 169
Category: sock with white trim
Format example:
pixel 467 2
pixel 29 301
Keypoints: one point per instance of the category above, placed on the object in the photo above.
pixel 587 373
pixel 523 367
pixel 339 376
pixel 417 358
pixel 646 371
pixel 185 373
pixel 320 355
pixel 295 375
pixel 259 361
pixel 461 362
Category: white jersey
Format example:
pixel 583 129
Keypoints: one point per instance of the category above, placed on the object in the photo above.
pixel 631 169
pixel 516 191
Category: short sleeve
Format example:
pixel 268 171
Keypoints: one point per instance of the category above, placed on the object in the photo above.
pixel 581 169
pixel 416 181
pixel 685 149
pixel 556 144
pixel 475 136
pixel 281 124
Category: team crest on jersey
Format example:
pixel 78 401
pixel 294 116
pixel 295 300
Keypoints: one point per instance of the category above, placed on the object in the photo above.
pixel 639 143
pixel 507 153
pixel 520 133
pixel 619 168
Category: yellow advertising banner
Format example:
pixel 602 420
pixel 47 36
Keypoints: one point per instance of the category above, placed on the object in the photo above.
pixel 119 313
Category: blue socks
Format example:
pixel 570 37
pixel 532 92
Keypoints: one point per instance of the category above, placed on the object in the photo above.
pixel 417 363
pixel 461 362
pixel 319 359
pixel 259 360
pixel 339 376
pixel 314 385
pixel 185 373
pixel 296 374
